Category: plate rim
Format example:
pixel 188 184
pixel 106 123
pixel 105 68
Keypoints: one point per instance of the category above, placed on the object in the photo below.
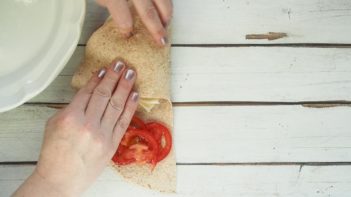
pixel 58 68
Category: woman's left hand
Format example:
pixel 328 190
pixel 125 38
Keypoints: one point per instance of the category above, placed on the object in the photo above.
pixel 81 139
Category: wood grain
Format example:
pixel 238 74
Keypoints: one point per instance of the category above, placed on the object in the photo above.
pixel 216 134
pixel 225 134
pixel 268 74
pixel 208 181
pixel 228 22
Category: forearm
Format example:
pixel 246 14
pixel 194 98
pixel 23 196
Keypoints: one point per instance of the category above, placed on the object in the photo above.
pixel 37 186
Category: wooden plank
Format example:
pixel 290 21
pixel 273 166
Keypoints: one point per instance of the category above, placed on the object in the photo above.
pixel 242 74
pixel 21 136
pixel 216 134
pixel 224 21
pixel 73 64
pixel 218 180
pixel 262 134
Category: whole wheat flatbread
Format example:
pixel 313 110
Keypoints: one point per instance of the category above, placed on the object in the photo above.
pixel 153 82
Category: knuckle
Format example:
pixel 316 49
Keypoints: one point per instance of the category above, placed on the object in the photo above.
pixel 85 90
pixel 88 128
pixel 85 134
pixel 160 31
pixel 126 26
pixel 99 142
pixel 150 13
pixel 128 112
pixel 117 104
pixel 91 83
pixel 60 125
pixel 168 16
pixel 63 120
pixel 117 137
pixel 102 91
pixel 123 123
pixel 110 76
pixel 168 13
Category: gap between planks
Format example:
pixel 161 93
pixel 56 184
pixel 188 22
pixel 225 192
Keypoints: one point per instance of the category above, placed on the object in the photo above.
pixel 334 163
pixel 292 45
pixel 311 104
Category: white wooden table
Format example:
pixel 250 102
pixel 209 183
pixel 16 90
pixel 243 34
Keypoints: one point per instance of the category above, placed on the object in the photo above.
pixel 252 117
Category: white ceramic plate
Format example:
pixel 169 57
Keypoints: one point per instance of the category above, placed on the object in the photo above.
pixel 37 38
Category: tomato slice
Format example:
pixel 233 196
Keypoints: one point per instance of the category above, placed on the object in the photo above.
pixel 143 143
pixel 138 146
pixel 142 154
pixel 159 131
pixel 121 157
pixel 137 123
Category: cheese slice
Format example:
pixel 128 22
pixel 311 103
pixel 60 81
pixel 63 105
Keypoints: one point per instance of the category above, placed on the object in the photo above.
pixel 148 103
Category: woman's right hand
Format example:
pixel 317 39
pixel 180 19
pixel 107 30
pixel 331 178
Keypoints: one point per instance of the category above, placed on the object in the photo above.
pixel 155 14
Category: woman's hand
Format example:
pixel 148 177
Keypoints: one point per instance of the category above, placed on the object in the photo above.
pixel 155 14
pixel 81 139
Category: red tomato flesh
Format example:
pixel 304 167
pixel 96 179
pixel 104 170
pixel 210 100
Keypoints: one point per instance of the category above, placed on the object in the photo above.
pixel 143 143
pixel 160 131
pixel 137 123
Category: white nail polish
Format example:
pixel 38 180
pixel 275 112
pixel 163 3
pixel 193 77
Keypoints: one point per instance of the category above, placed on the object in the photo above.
pixel 102 73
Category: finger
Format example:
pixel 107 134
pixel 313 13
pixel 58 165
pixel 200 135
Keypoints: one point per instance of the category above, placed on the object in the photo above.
pixel 165 10
pixel 120 13
pixel 118 100
pixel 101 2
pixel 151 19
pixel 125 118
pixel 103 91
pixel 81 99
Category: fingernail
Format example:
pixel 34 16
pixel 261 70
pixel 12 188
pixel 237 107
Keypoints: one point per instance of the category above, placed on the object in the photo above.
pixel 129 75
pixel 135 96
pixel 102 73
pixel 119 66
pixel 164 41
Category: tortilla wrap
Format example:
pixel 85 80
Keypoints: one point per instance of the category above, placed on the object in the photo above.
pixel 153 84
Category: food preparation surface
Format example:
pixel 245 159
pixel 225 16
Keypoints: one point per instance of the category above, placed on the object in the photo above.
pixel 253 117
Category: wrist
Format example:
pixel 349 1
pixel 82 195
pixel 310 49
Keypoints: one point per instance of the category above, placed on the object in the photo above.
pixel 37 186
pixel 47 187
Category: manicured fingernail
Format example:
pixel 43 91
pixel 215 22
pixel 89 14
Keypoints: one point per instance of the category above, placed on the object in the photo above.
pixel 119 66
pixel 135 96
pixel 102 73
pixel 129 74
pixel 164 41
